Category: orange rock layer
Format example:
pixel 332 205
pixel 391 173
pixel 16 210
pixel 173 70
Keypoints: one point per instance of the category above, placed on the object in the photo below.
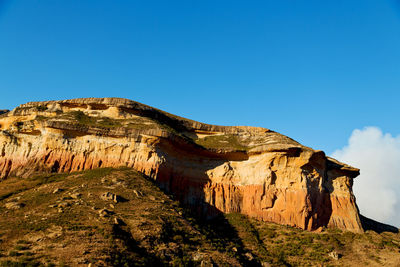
pixel 265 175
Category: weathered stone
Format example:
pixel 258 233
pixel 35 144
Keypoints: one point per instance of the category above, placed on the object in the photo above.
pixel 13 205
pixel 249 256
pixel 110 196
pixel 75 195
pixel 137 193
pixel 198 256
pixel 118 221
pixel 104 213
pixel 57 190
pixel 250 170
pixel 334 255
pixel 63 205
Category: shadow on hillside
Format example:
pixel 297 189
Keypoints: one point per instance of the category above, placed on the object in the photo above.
pixel 223 236
pixel 210 221
pixel 216 228
pixel 134 255
pixel 369 224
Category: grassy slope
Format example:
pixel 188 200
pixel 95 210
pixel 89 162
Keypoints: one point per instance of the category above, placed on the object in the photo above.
pixel 65 228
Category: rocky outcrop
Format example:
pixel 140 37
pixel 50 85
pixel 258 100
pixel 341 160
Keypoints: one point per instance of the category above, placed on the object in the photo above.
pixel 211 168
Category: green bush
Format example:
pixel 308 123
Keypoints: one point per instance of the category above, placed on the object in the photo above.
pixel 41 108
pixel 13 253
pixel 21 247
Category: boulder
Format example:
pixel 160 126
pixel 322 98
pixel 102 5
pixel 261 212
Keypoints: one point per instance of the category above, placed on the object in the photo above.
pixel 334 255
pixel 13 205
pixel 110 197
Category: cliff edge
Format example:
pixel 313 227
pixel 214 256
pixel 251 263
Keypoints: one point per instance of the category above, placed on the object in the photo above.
pixel 212 169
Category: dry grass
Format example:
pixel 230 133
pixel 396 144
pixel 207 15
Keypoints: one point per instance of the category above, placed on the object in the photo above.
pixel 66 229
pixel 226 141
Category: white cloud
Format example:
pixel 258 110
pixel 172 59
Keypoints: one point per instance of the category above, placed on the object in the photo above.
pixel 377 189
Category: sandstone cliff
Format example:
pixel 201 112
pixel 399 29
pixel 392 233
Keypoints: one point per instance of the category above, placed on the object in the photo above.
pixel 254 171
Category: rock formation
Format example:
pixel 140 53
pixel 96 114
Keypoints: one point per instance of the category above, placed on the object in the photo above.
pixel 254 171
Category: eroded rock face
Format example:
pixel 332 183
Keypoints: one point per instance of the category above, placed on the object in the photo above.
pixel 213 169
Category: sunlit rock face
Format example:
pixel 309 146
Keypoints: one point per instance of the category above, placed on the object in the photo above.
pixel 211 168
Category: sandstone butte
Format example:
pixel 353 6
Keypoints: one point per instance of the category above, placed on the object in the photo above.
pixel 212 169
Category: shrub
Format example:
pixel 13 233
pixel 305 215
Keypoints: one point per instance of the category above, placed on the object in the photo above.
pixel 41 108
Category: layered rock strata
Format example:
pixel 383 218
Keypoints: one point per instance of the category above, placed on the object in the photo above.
pixel 254 171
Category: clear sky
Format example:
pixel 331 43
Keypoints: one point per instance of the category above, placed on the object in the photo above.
pixel 313 70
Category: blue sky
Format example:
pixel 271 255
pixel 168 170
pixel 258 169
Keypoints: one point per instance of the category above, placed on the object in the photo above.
pixel 313 70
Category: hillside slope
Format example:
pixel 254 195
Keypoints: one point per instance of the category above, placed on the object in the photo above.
pixel 118 217
pixel 213 169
